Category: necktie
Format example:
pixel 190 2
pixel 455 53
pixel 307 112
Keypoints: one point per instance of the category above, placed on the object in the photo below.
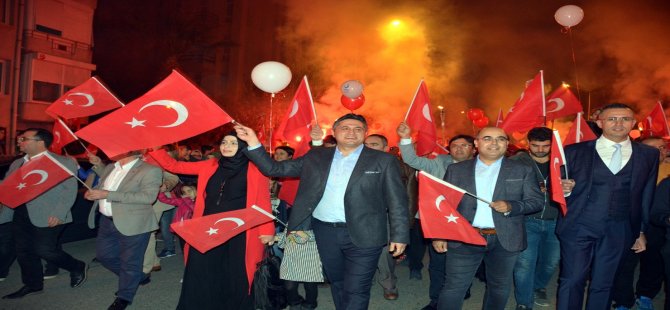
pixel 615 163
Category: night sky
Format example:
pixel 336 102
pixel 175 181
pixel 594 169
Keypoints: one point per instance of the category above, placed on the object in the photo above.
pixel 470 53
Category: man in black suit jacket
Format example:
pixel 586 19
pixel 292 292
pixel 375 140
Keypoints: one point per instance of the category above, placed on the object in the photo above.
pixel 608 208
pixel 350 194
pixel 514 192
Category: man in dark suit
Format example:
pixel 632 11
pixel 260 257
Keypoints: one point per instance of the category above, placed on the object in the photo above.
pixel 124 198
pixel 608 208
pixel 350 194
pixel 38 223
pixel 514 192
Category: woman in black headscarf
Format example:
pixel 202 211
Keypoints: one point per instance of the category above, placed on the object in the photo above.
pixel 220 278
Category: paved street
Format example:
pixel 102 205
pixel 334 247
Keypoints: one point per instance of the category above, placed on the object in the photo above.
pixel 163 291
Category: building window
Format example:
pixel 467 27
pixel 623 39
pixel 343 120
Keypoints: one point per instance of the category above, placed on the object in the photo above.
pixel 4 77
pixel 6 11
pixel 48 30
pixel 45 91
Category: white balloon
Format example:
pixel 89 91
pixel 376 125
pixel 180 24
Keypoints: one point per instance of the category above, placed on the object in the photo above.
pixel 271 76
pixel 569 15
pixel 352 89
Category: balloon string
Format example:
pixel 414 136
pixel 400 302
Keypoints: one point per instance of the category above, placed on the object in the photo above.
pixel 272 96
pixel 574 63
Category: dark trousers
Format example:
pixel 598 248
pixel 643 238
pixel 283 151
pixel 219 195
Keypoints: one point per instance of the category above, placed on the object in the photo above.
pixel 36 243
pixel 461 264
pixel 650 279
pixel 598 250
pixel 311 293
pixel 122 255
pixel 349 268
pixel 665 252
pixel 417 247
pixel 7 249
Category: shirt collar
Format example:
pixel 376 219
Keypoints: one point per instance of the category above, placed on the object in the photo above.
pixel 494 164
pixel 608 143
pixel 127 166
pixel 356 152
pixel 27 158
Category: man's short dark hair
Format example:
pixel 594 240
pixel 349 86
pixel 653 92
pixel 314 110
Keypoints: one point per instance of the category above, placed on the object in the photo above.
pixel 289 150
pixel 353 116
pixel 539 134
pixel 385 142
pixel 616 105
pixel 468 138
pixel 43 135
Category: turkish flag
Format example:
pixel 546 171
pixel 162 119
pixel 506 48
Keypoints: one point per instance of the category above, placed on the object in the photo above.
pixel 62 136
pixel 35 177
pixel 420 118
pixel 295 127
pixel 528 110
pixel 500 118
pixel 89 98
pixel 579 131
pixel 207 232
pixel 557 160
pixel 561 103
pixel 173 110
pixel 656 123
pixel 289 189
pixel 438 203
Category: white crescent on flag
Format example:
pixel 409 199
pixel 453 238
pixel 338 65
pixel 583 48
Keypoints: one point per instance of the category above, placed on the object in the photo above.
pixel 43 174
pixel 426 112
pixel 90 100
pixel 560 104
pixel 182 111
pixel 57 135
pixel 235 220
pixel 439 200
pixel 294 109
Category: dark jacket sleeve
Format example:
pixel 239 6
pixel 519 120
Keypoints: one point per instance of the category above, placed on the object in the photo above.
pixel 272 168
pixel 660 210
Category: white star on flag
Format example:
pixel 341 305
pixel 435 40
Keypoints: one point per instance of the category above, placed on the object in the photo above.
pixel 67 102
pixel 212 231
pixel 21 185
pixel 451 218
pixel 134 123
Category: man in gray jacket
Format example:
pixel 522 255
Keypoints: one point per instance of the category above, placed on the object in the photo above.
pixel 37 224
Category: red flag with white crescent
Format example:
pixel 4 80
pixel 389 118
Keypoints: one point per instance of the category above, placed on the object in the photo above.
pixel 62 136
pixel 438 204
pixel 420 118
pixel 173 110
pixel 579 131
pixel 529 110
pixel 294 128
pixel 35 177
pixel 656 123
pixel 207 232
pixel 90 98
pixel 562 102
pixel 557 160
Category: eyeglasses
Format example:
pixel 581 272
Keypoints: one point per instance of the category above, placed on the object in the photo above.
pixel 24 139
pixel 356 130
pixel 463 146
pixel 489 139
pixel 614 119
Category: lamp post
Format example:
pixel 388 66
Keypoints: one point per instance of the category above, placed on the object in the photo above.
pixel 441 108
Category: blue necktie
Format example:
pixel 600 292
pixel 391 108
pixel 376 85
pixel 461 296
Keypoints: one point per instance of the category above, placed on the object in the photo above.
pixel 615 163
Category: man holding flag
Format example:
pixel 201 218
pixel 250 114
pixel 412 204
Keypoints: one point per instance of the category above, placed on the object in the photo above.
pixel 510 191
pixel 38 223
pixel 537 263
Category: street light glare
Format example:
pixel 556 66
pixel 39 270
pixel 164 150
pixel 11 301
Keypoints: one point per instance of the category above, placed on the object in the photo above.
pixel 396 23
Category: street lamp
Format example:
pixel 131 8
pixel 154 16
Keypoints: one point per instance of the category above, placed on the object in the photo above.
pixel 441 108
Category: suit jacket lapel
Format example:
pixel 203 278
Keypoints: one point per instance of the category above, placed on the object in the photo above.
pixel 364 160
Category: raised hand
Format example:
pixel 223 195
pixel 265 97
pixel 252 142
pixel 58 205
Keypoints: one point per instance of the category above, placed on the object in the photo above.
pixel 403 130
pixel 246 134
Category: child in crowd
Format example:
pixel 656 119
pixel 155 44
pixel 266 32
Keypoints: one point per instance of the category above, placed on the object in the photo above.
pixel 301 263
pixel 184 204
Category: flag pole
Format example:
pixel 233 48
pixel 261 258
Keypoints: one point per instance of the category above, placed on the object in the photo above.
pixel 268 214
pixel 455 187
pixel 413 98
pixel 544 99
pixel 66 170
pixel 272 96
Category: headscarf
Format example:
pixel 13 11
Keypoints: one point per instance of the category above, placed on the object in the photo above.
pixel 228 167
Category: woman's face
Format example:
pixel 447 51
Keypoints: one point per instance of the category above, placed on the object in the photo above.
pixel 228 146
pixel 188 192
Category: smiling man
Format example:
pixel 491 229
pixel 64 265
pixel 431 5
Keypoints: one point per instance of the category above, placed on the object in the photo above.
pixel 608 208
pixel 511 188
pixel 348 195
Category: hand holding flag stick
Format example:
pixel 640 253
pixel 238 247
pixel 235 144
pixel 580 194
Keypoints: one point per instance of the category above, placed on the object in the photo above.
pixel 268 214
pixel 246 134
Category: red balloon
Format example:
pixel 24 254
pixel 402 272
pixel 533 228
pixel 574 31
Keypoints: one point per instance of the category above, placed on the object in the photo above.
pixel 475 114
pixel 481 122
pixel 352 103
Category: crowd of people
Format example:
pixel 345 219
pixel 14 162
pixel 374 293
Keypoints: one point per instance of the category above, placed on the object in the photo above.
pixel 355 215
